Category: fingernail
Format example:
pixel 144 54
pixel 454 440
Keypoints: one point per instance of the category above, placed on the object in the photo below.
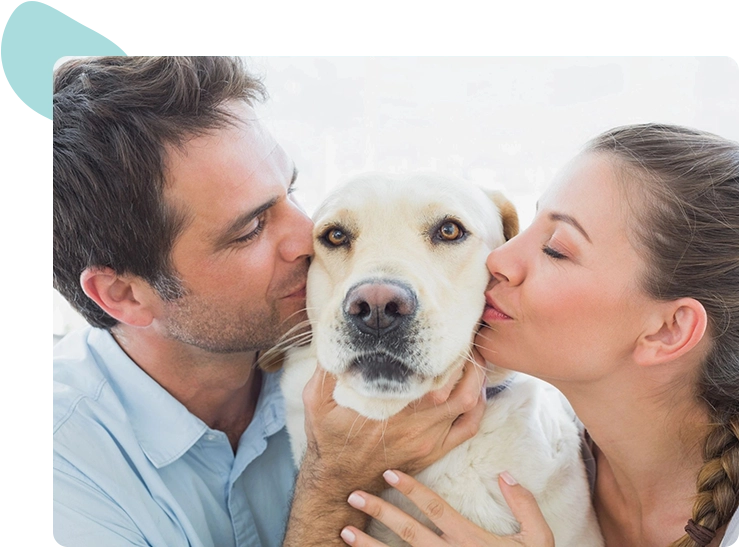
pixel 391 477
pixel 348 536
pixel 355 500
pixel 506 476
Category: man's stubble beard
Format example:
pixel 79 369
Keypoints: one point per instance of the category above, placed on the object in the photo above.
pixel 202 324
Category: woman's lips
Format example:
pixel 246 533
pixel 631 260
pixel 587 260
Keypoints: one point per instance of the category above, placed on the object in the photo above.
pixel 492 312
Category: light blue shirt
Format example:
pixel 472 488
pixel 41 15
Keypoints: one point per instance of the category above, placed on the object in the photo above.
pixel 132 466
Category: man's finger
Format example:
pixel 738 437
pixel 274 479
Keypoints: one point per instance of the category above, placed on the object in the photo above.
pixel 466 426
pixel 439 396
pixel 320 387
pixel 466 393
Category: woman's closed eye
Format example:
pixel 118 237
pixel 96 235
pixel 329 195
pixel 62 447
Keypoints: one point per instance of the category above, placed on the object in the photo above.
pixel 552 252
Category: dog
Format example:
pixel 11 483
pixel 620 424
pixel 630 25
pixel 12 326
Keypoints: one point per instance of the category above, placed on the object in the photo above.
pixel 394 296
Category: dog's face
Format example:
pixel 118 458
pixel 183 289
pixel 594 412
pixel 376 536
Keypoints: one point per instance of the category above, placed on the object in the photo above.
pixel 396 287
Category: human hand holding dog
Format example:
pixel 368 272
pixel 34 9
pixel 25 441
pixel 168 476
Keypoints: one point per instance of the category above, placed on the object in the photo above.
pixel 347 452
pixel 356 450
pixel 456 530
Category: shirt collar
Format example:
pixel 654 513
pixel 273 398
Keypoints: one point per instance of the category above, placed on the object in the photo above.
pixel 163 426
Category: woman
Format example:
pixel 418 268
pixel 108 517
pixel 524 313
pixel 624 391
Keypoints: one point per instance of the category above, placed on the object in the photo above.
pixel 624 294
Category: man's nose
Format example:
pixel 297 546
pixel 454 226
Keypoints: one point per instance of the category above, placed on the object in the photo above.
pixel 298 242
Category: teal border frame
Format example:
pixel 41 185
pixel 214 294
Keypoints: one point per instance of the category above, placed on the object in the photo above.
pixel 36 33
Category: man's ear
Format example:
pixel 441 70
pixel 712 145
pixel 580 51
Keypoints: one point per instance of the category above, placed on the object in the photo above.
pixel 128 299
pixel 508 213
pixel 671 333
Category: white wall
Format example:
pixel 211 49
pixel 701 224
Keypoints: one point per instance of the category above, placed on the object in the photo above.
pixel 508 123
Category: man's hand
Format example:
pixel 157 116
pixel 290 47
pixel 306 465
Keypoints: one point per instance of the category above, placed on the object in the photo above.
pixel 347 452
pixel 354 449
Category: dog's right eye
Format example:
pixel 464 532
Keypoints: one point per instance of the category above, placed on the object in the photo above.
pixel 450 231
pixel 335 237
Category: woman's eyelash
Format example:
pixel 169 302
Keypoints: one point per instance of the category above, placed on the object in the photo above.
pixel 253 234
pixel 551 252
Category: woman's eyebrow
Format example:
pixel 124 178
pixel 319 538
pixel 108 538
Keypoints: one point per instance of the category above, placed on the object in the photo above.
pixel 571 221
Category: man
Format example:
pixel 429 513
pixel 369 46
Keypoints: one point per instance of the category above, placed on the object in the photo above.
pixel 177 238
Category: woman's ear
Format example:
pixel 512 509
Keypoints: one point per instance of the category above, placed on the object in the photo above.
pixel 672 332
pixel 128 299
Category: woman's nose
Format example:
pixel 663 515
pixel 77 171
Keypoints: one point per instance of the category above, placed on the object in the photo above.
pixel 504 264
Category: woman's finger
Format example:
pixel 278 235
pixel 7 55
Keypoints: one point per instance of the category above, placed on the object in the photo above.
pixel 357 538
pixel 406 527
pixel 523 505
pixel 443 515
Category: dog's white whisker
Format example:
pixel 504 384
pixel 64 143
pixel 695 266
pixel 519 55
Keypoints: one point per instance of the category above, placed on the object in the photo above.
pixel 349 434
pixel 287 341
pixel 449 408
pixel 384 446
pixel 323 380
pixel 355 423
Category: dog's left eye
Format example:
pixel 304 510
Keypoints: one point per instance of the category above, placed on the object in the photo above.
pixel 450 231
pixel 335 237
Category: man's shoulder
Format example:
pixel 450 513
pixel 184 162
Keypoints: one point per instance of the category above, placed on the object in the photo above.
pixel 87 407
pixel 77 373
pixel 92 432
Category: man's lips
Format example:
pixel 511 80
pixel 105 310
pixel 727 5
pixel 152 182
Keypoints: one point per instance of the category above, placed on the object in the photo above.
pixel 297 293
pixel 493 312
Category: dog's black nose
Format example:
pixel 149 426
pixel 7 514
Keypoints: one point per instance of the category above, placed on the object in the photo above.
pixel 377 307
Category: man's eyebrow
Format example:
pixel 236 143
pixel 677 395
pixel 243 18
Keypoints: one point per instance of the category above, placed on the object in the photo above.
pixel 245 218
pixel 571 221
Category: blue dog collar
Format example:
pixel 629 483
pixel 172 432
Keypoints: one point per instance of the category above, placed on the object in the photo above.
pixel 492 391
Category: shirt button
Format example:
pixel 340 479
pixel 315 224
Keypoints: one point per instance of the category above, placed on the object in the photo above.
pixel 210 437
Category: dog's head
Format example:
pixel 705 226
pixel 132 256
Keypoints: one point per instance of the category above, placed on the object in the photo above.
pixel 396 287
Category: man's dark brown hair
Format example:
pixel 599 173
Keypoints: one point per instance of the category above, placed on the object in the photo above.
pixel 113 118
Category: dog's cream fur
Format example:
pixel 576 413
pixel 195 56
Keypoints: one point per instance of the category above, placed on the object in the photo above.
pixel 391 228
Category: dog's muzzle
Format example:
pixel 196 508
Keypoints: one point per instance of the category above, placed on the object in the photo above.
pixel 382 371
pixel 378 317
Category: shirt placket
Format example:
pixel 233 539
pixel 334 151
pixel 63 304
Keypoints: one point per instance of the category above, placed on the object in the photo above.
pixel 244 527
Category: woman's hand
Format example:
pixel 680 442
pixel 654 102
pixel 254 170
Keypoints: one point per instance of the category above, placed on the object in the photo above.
pixel 456 530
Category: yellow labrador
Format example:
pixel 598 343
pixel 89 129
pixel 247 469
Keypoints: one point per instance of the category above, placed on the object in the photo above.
pixel 394 296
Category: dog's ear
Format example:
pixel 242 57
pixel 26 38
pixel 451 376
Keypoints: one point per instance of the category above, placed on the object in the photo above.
pixel 508 213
